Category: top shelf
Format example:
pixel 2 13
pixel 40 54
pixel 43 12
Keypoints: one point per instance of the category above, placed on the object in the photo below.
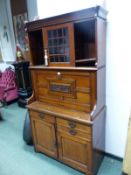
pixel 75 16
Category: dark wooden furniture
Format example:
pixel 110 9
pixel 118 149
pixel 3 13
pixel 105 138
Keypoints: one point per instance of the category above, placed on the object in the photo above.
pixel 67 110
pixel 23 82
pixel 0 114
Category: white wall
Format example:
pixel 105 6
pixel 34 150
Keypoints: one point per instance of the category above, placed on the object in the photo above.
pixel 32 9
pixel 6 40
pixel 118 96
pixel 49 8
pixel 118 91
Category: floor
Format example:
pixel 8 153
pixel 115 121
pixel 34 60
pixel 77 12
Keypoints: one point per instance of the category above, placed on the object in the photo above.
pixel 17 158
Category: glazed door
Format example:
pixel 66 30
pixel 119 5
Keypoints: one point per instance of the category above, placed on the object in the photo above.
pixel 59 45
pixel 43 129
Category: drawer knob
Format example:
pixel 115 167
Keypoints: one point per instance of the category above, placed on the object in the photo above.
pixel 72 132
pixel 41 115
pixel 72 124
pixel 58 73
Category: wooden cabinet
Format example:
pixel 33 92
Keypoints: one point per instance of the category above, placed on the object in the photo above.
pixel 67 140
pixel 67 109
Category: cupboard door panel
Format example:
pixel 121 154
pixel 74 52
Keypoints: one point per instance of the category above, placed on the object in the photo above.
pixel 74 151
pixel 44 136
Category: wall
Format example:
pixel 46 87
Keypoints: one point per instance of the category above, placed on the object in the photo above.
pixel 32 9
pixel 118 76
pixel 6 35
pixel 8 48
pixel 51 8
pixel 118 84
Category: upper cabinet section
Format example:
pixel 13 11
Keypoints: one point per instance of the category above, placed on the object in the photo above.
pixel 76 39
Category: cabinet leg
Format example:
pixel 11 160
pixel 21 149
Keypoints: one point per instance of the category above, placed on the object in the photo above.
pixel 124 173
pixel 88 173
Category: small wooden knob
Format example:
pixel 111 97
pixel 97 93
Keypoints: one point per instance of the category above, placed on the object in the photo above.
pixel 58 73
pixel 41 115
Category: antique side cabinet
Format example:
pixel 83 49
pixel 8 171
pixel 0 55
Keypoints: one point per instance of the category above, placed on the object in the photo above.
pixel 67 109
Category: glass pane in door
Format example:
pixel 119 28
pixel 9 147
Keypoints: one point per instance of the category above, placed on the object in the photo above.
pixel 58 45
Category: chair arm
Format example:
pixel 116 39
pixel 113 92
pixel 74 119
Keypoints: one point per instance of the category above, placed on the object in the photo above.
pixel 9 88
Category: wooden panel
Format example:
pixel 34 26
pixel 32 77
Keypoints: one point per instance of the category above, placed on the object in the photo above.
pixel 74 151
pixel 43 135
pixel 101 41
pixel 82 15
pixel 61 112
pixel 72 124
pixel 18 7
pixel 98 136
pixel 79 88
pixel 62 87
pixel 75 133
pixel 42 116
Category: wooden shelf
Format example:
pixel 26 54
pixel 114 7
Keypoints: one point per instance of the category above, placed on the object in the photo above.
pixel 85 60
pixel 62 112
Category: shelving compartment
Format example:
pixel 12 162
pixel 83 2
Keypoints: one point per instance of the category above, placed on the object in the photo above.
pixel 36 47
pixel 85 43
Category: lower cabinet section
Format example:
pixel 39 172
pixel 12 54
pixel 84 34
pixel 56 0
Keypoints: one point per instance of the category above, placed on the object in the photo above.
pixel 73 151
pixel 65 140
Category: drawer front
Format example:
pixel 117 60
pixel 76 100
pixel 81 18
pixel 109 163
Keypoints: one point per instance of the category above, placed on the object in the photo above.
pixel 70 88
pixel 42 116
pixel 74 129
pixel 73 125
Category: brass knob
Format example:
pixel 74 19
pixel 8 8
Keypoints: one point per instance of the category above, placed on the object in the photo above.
pixel 58 73
pixel 72 132
pixel 72 124
pixel 41 115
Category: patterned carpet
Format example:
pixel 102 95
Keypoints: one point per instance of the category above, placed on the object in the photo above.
pixel 17 158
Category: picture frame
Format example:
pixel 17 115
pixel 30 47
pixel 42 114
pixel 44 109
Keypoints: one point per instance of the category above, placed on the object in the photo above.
pixel 19 30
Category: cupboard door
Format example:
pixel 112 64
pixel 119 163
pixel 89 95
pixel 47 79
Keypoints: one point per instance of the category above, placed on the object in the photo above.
pixel 59 44
pixel 74 151
pixel 44 135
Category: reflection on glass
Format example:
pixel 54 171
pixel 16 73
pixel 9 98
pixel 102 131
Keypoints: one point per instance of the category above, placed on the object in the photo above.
pixel 59 32
pixel 65 32
pixel 52 59
pixel 61 50
pixel 56 59
pixel 67 59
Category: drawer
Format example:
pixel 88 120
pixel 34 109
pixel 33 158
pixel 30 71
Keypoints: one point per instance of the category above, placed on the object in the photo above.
pixel 74 133
pixel 42 116
pixel 74 129
pixel 73 125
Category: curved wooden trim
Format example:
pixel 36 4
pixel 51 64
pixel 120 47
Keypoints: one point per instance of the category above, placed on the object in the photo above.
pixel 31 99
